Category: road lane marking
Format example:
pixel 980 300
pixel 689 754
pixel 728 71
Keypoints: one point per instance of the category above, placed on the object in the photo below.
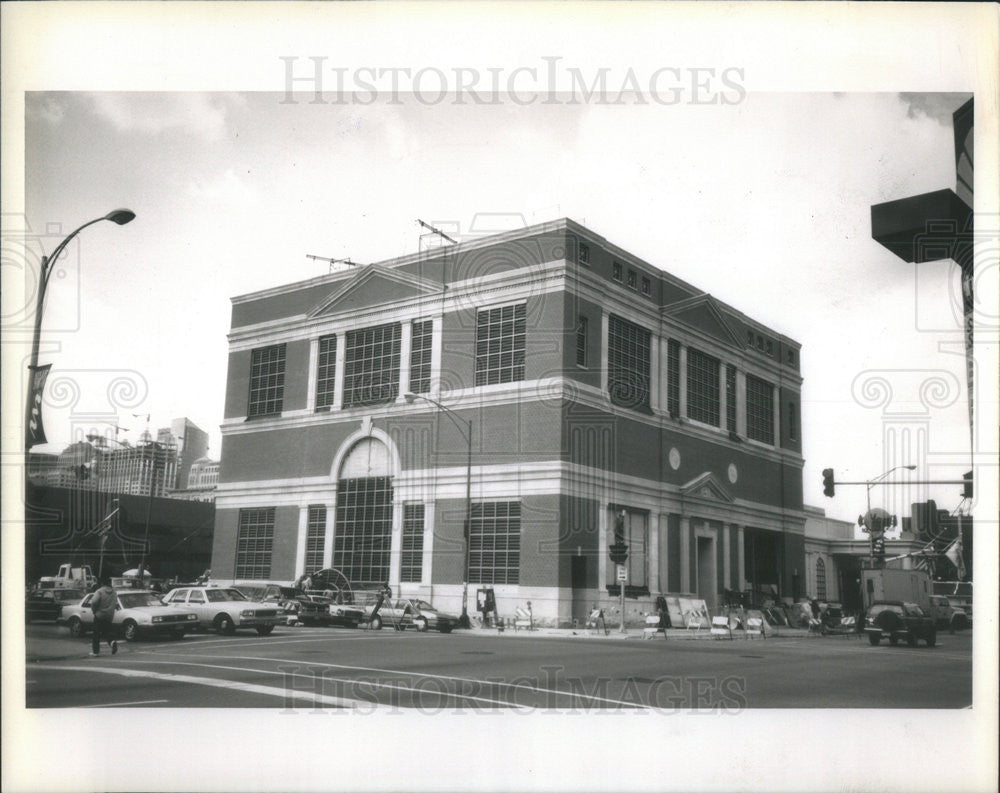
pixel 370 683
pixel 522 686
pixel 248 688
pixel 124 704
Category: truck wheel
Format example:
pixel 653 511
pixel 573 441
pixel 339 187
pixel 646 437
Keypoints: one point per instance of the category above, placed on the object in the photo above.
pixel 874 639
pixel 931 639
pixel 894 640
pixel 911 639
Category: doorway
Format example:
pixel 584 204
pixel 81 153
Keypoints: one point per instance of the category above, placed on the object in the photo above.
pixel 706 567
pixel 578 584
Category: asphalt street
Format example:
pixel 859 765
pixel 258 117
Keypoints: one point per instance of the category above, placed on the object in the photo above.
pixel 298 668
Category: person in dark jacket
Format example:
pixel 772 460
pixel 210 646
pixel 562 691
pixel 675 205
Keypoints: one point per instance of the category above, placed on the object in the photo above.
pixel 104 603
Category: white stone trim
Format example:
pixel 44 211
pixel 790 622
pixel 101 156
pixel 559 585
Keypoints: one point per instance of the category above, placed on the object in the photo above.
pixel 313 371
pixel 300 543
pixel 405 346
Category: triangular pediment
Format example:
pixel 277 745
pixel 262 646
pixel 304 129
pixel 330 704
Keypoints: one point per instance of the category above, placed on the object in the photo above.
pixel 704 313
pixel 374 285
pixel 707 486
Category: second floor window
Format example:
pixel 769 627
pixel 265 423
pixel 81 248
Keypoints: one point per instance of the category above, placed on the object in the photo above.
pixel 315 537
pixel 673 377
pixel 628 363
pixel 420 357
pixel 581 341
pixel 500 338
pixel 703 387
pixel 760 410
pixel 326 371
pixel 267 381
pixel 731 398
pixel 371 365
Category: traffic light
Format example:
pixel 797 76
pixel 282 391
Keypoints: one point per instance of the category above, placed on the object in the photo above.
pixel 828 482
pixel 618 551
pixel 878 549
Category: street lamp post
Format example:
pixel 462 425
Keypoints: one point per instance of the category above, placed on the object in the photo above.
pixel 119 216
pixel 467 434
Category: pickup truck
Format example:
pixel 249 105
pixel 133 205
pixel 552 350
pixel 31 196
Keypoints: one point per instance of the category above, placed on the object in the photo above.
pixel 894 620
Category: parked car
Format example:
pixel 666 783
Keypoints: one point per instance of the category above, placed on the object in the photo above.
pixel 895 620
pixel 293 603
pixel 407 612
pixel 46 604
pixel 342 608
pixel 140 613
pixel 225 609
pixel 947 614
pixel 425 616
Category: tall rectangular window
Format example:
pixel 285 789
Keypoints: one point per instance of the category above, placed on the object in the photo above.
pixel 760 410
pixel 267 381
pixel 673 377
pixel 420 357
pixel 254 542
pixel 411 562
pixel 793 422
pixel 326 371
pixel 703 387
pixel 730 397
pixel 363 532
pixel 500 342
pixel 495 543
pixel 581 341
pixel 315 538
pixel 584 253
pixel 628 363
pixel 371 365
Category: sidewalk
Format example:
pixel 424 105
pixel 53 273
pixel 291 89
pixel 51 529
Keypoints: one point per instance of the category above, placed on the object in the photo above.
pixel 614 633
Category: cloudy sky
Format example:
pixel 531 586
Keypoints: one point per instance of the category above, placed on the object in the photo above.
pixel 763 203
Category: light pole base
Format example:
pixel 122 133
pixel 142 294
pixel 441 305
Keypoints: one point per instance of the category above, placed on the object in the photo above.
pixel 463 621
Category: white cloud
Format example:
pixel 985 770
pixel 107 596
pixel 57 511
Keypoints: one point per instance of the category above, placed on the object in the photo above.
pixel 200 115
pixel 226 188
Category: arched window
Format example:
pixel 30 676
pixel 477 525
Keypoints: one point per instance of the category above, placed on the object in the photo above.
pixel 820 579
pixel 363 531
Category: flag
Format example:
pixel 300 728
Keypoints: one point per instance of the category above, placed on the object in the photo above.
pixel 954 554
pixel 35 432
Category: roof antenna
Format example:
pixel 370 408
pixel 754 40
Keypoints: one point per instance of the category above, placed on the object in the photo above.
pixel 332 261
pixel 440 233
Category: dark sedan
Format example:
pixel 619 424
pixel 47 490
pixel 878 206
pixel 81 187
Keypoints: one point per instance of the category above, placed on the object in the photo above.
pixel 46 604
pixel 894 620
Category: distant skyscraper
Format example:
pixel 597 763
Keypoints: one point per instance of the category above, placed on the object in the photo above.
pixel 191 443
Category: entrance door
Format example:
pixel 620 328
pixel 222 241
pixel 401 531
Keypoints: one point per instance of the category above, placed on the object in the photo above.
pixel 707 584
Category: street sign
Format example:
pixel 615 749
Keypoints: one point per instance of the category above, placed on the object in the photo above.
pixel 622 572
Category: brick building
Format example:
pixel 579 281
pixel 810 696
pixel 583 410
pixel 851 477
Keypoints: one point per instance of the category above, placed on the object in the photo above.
pixel 599 390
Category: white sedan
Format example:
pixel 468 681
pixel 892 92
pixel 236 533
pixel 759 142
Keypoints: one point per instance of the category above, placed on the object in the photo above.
pixel 225 609
pixel 139 613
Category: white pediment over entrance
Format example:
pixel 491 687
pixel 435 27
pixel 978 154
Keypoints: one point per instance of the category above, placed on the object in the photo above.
pixel 709 487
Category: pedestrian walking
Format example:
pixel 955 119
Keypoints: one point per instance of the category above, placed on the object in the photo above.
pixel 384 594
pixel 104 603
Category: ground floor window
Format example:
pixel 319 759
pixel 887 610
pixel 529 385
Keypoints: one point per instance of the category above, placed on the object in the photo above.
pixel 495 543
pixel 820 579
pixel 363 530
pixel 254 542
pixel 411 562
pixel 315 537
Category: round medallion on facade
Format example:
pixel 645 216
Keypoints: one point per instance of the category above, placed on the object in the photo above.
pixel 733 473
pixel 675 458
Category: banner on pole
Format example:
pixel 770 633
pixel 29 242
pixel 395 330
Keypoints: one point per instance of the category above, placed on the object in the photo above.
pixel 35 432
